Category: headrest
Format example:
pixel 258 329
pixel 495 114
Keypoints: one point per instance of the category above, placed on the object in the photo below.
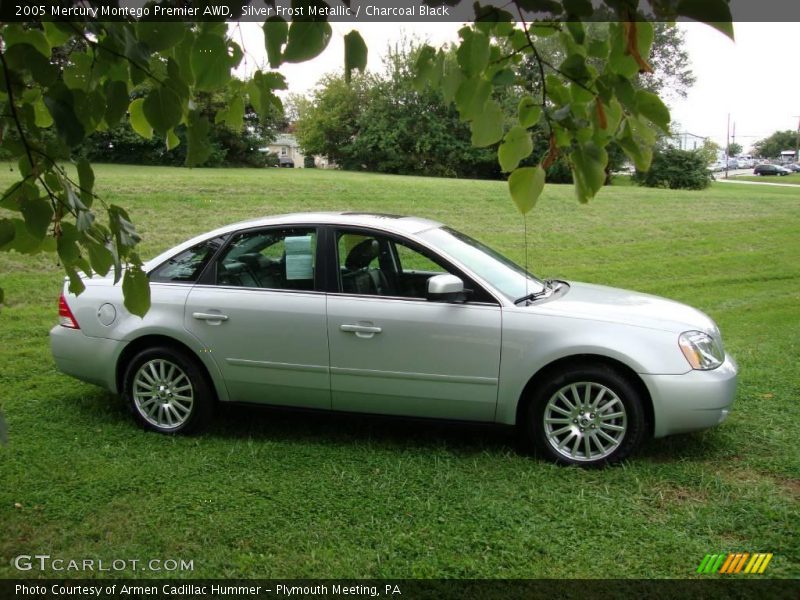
pixel 362 254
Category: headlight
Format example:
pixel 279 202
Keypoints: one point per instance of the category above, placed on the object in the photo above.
pixel 701 350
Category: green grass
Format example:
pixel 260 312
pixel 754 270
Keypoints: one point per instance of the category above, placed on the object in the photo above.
pixel 793 178
pixel 265 493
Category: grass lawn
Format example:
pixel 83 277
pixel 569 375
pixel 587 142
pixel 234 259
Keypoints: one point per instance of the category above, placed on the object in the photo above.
pixel 266 493
pixel 793 178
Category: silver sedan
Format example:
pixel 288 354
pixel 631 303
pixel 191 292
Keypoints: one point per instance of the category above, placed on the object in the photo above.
pixel 393 315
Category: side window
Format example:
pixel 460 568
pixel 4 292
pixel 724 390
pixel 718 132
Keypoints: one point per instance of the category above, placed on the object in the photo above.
pixel 377 265
pixel 186 266
pixel 280 259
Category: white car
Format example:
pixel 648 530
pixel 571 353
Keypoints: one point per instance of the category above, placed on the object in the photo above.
pixel 375 313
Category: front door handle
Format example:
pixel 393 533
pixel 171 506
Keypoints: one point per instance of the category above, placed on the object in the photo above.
pixel 210 316
pixel 362 331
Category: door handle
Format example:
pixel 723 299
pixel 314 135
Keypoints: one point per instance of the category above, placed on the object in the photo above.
pixel 210 316
pixel 362 331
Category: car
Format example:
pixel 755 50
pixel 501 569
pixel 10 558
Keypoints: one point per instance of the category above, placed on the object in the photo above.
pixel 768 169
pixel 794 168
pixel 286 162
pixel 393 315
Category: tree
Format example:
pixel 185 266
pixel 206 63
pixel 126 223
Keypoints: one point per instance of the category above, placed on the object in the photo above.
pixel 61 82
pixel 772 146
pixel 734 149
pixel 710 151
pixel 676 169
pixel 384 123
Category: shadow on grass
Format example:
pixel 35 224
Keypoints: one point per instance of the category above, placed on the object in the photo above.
pixel 276 424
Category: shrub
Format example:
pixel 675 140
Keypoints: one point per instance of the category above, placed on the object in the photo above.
pixel 308 161
pixel 676 169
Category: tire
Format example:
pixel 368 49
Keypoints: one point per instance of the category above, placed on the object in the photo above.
pixel 168 391
pixel 614 431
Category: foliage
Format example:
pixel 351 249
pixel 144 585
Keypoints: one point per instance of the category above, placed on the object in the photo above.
pixel 308 162
pixel 734 149
pixel 772 146
pixel 710 151
pixel 61 82
pixel 676 169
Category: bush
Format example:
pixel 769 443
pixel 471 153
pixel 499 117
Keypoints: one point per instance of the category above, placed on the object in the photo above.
pixel 677 170
pixel 308 162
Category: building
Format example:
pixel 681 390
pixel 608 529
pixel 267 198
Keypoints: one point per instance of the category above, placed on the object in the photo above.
pixel 287 149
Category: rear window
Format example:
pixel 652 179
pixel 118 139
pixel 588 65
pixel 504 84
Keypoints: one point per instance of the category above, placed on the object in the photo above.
pixel 186 266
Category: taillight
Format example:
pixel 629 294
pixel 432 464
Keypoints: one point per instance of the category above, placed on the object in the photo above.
pixel 65 316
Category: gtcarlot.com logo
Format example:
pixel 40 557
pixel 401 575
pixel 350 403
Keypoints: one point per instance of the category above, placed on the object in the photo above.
pixel 45 562
pixel 735 562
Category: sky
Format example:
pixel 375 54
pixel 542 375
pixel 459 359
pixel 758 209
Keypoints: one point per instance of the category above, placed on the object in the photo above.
pixel 754 79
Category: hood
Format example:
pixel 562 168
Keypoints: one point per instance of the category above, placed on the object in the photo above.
pixel 615 305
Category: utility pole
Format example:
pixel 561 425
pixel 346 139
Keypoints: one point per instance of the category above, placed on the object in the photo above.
pixel 797 141
pixel 727 144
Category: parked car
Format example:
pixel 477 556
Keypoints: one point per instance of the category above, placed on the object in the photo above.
pixel 285 161
pixel 374 313
pixel 793 168
pixel 770 170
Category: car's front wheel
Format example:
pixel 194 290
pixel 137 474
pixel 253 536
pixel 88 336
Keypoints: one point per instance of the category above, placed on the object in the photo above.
pixel 167 391
pixel 589 415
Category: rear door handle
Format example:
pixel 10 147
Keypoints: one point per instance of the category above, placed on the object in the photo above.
pixel 362 331
pixel 210 316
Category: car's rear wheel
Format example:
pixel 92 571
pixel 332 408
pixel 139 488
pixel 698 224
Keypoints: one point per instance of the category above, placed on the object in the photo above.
pixel 589 415
pixel 167 391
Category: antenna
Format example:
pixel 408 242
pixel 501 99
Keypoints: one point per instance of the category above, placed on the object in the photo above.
pixel 525 239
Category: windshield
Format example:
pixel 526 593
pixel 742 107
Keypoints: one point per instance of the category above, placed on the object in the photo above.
pixel 503 274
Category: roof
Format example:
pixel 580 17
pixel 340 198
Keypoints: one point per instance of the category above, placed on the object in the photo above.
pixel 391 223
pixel 285 139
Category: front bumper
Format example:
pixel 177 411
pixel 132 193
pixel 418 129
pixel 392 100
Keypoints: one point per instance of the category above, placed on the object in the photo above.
pixel 692 401
pixel 90 359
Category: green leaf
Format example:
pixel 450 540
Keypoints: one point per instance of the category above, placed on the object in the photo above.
pixel 57 34
pixel 117 101
pixel 651 107
pixel 233 115
pixel 355 53
pixel 100 257
pixel 7 232
pixel 306 40
pixel 198 146
pixel 61 104
pixel 172 140
pixel 38 215
pixel 211 63
pixel 503 78
pixel 589 170
pixel 139 122
pixel 42 116
pixel 160 35
pixel 529 112
pixel 276 31
pixel 471 97
pixel 163 109
pixel 67 246
pixel 487 126
pixel 516 146
pixel 716 13
pixel 86 180
pixel 451 80
pixel 525 185
pixel 473 53
pixel 136 290
pixel 76 285
pixel 15 35
pixel 578 8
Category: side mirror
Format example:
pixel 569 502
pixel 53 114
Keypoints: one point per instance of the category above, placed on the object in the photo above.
pixel 446 288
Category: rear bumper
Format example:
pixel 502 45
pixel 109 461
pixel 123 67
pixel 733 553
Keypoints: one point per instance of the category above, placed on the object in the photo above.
pixel 692 401
pixel 89 359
